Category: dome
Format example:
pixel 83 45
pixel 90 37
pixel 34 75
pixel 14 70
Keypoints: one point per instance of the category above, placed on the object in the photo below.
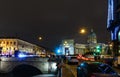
pixel 92 34
pixel 92 37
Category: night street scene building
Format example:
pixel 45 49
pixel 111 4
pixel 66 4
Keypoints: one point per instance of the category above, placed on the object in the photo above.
pixel 70 47
pixel 67 47
pixel 113 25
pixel 8 46
pixel 91 46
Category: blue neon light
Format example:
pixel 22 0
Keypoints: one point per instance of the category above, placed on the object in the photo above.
pixel 114 34
pixel 58 51
pixel 112 9
pixel 116 30
pixel 110 12
pixel 21 55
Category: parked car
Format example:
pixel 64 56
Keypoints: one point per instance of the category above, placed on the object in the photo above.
pixel 72 60
pixel 85 57
pixel 95 69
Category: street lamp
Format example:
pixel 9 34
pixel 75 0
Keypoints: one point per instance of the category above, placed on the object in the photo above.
pixel 40 38
pixel 82 31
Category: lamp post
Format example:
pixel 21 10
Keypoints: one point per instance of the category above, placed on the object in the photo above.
pixel 40 38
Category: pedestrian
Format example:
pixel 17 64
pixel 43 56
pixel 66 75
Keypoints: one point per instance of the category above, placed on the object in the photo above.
pixel 59 66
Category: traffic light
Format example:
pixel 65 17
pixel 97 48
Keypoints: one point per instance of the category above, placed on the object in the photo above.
pixel 98 48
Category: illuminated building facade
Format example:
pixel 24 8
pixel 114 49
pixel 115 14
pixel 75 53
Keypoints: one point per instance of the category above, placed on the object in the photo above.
pixel 113 24
pixel 92 37
pixel 9 46
pixel 67 47
pixel 80 48
pixel 84 48
pixel 91 46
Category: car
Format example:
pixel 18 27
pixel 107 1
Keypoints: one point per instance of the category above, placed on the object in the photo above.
pixel 85 57
pixel 95 69
pixel 72 60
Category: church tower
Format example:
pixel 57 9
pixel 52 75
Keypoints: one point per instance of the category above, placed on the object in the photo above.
pixel 92 39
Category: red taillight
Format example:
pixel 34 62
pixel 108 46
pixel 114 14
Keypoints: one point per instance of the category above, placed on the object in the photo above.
pixel 78 57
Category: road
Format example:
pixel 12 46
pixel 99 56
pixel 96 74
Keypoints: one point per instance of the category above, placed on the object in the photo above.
pixel 67 72
pixel 70 70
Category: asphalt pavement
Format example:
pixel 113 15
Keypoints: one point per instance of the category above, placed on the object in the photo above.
pixel 67 72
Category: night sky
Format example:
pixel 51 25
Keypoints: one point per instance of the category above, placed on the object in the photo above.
pixel 54 20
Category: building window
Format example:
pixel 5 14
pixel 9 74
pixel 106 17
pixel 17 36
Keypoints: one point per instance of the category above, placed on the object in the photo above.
pixel 14 43
pixel 7 43
pixel 14 48
pixel 9 48
pixel 10 43
pixel 6 48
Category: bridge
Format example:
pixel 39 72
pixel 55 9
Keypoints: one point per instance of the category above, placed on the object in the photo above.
pixel 27 64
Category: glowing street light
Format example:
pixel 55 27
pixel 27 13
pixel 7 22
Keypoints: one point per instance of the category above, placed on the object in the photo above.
pixel 40 38
pixel 82 31
pixel 66 44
